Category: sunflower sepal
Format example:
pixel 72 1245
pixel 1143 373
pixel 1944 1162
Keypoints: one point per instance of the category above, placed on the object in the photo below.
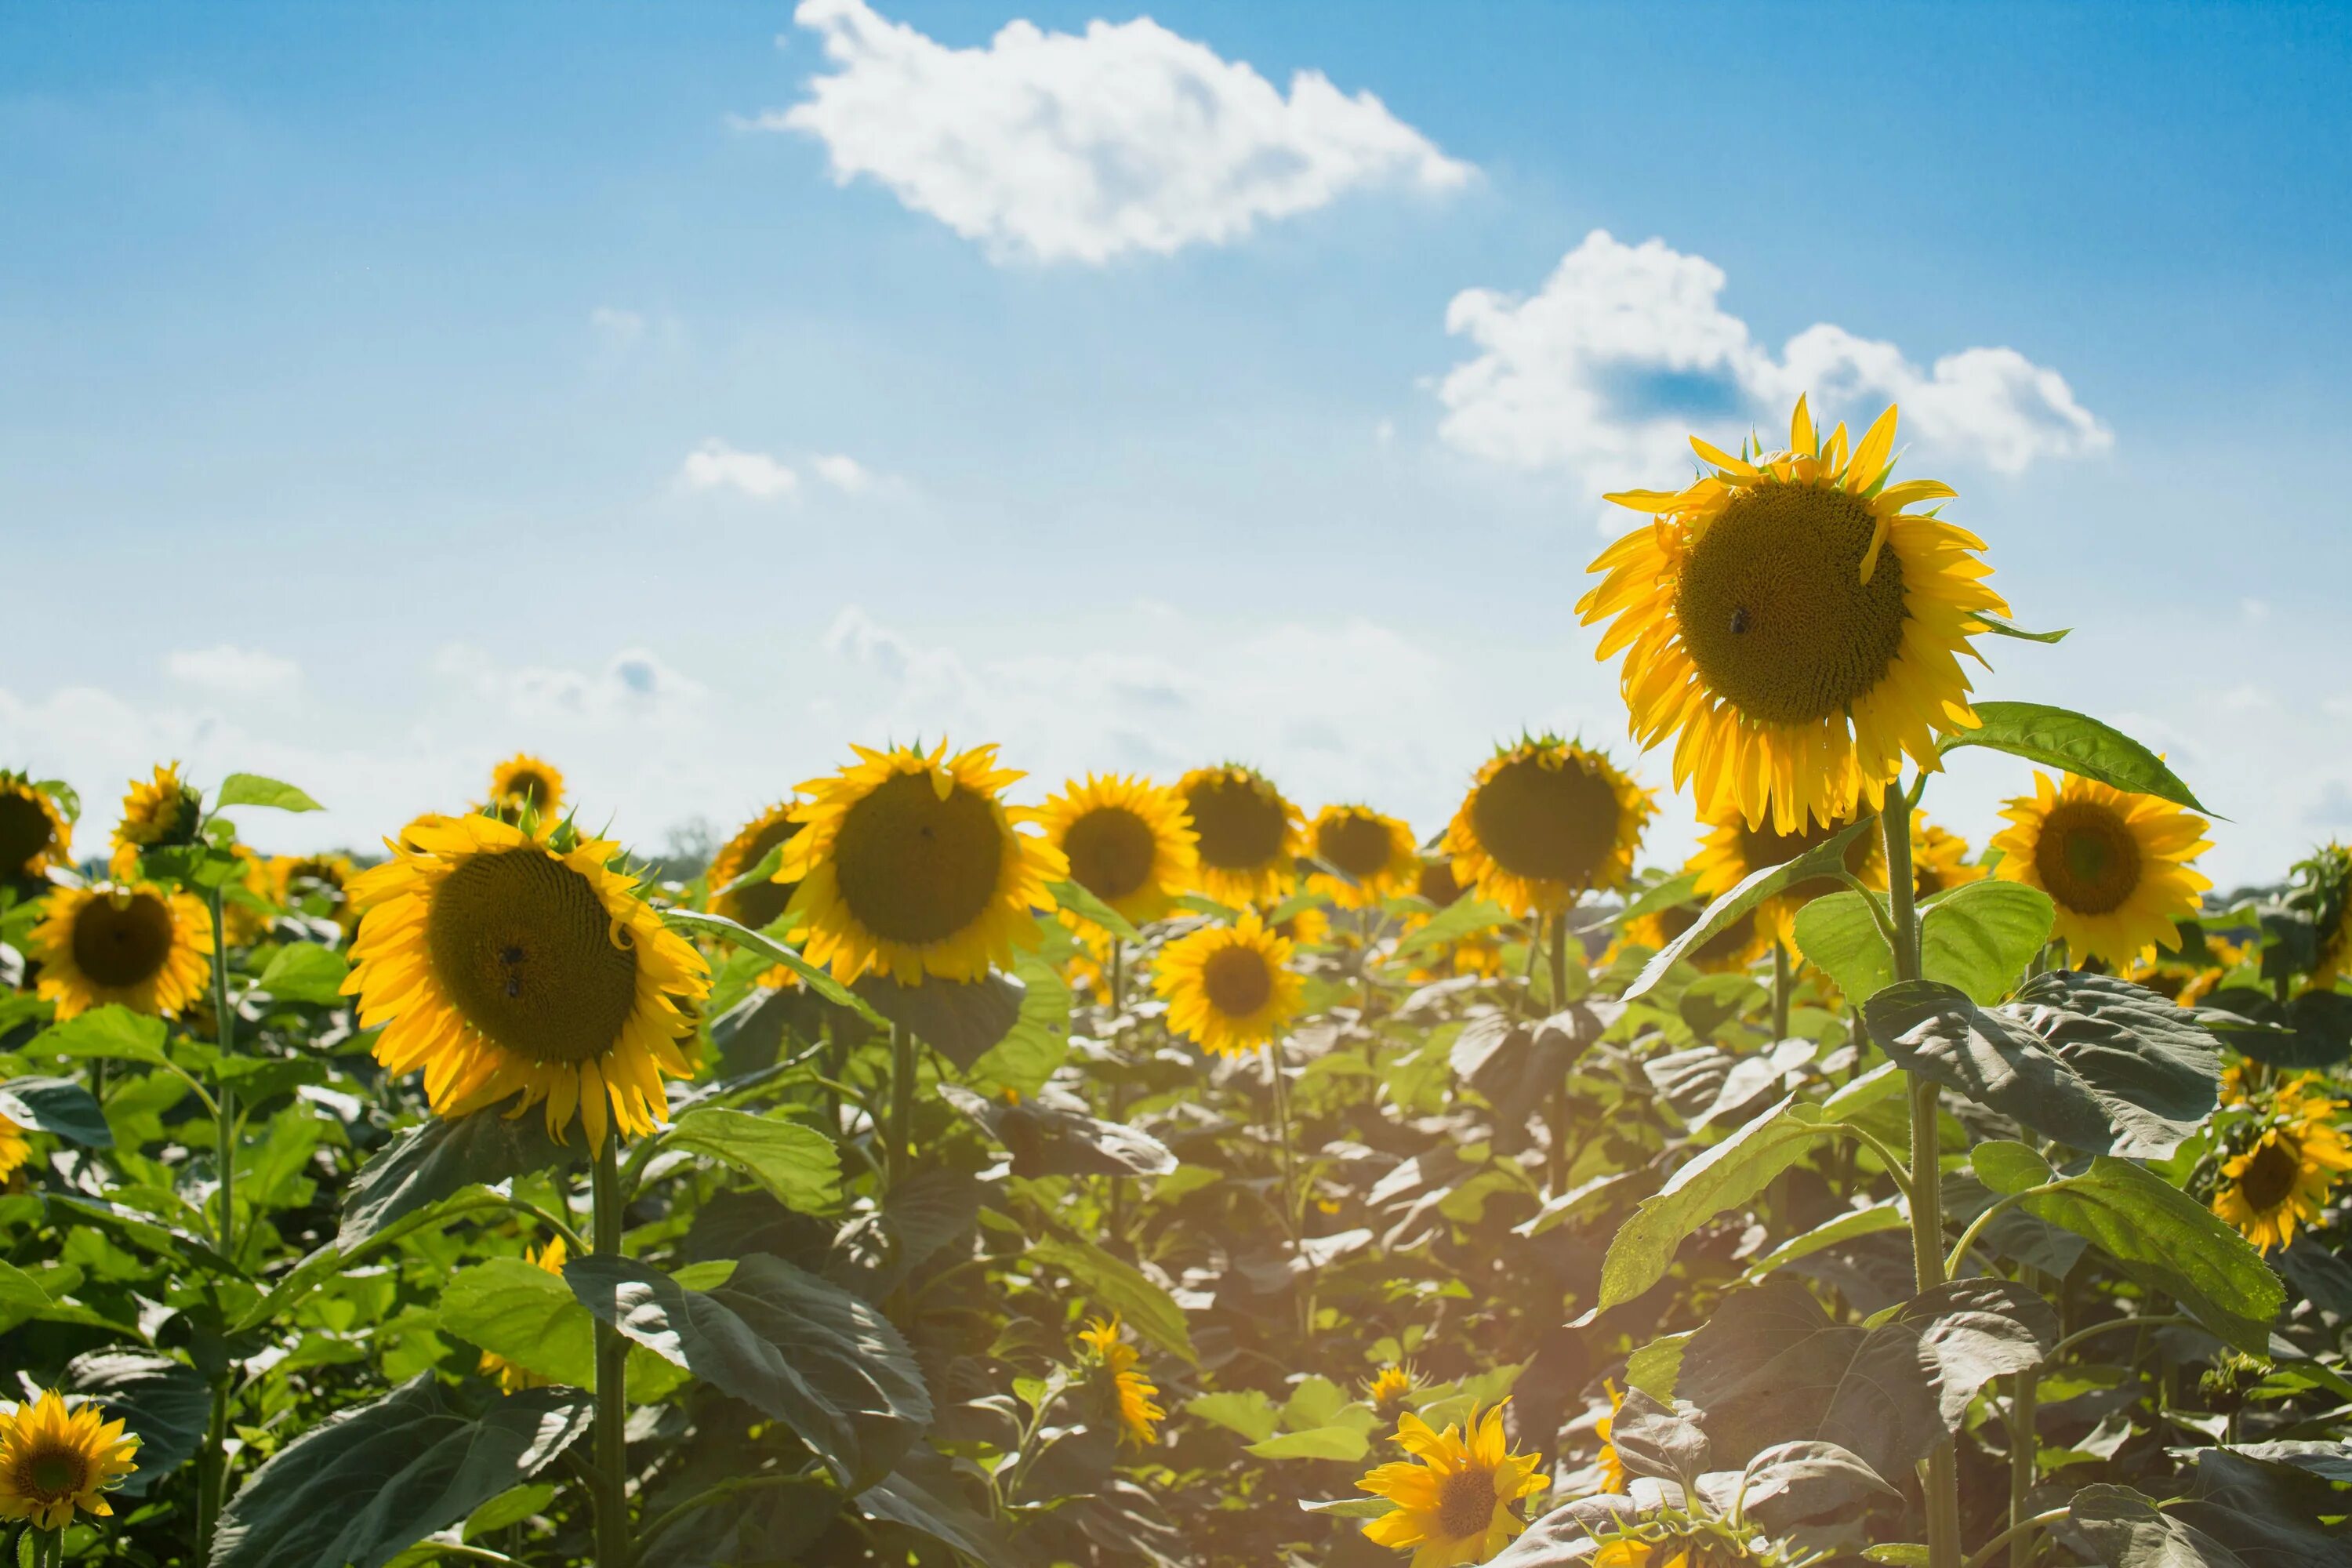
pixel 2082 745
pixel 1826 859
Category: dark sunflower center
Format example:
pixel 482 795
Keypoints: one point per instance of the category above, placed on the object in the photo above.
pixel 529 786
pixel 1111 850
pixel 124 943
pixel 54 1473
pixel 1241 826
pixel 25 831
pixel 1437 884
pixel 1773 610
pixel 2269 1176
pixel 2087 857
pixel 916 869
pixel 1556 825
pixel 1465 1502
pixel 759 905
pixel 1358 843
pixel 526 952
pixel 1237 981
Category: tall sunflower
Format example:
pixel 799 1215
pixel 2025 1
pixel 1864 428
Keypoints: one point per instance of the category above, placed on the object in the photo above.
pixel 2116 864
pixel 1793 625
pixel 1127 841
pixel 15 1149
pixel 514 1378
pixel 1545 820
pixel 509 961
pixel 1455 1496
pixel 164 809
pixel 1376 852
pixel 2284 1177
pixel 1246 836
pixel 1131 1392
pixel 1230 988
pixel 760 904
pixel 55 1462
pixel 525 780
pixel 133 943
pixel 1732 851
pixel 36 835
pixel 910 864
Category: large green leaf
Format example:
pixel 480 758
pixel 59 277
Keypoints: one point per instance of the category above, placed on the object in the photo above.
pixel 1837 935
pixel 2313 1030
pixel 1826 859
pixel 517 1310
pixel 923 1494
pixel 306 972
pixel 1726 1176
pixel 2167 1241
pixel 112 1032
pixel 785 1342
pixel 2060 738
pixel 2124 1529
pixel 739 935
pixel 1053 1136
pixel 373 1479
pixel 1119 1287
pixel 253 789
pixel 57 1105
pixel 2266 1502
pixel 22 1299
pixel 798 1165
pixel 1465 916
pixel 1039 1040
pixel 1076 897
pixel 923 1212
pixel 166 1404
pixel 961 1019
pixel 442 1157
pixel 1982 935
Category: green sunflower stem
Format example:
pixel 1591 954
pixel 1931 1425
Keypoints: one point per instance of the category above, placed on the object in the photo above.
pixel 612 1549
pixel 897 1134
pixel 2024 1452
pixel 212 1465
pixel 1783 983
pixel 1556 1157
pixel 1117 980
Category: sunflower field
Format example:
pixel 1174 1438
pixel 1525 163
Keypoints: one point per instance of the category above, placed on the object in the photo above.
pixel 961 1169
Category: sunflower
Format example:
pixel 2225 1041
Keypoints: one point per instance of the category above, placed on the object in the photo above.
pixel 507 959
pixel 1732 851
pixel 1453 1496
pixel 1126 840
pixel 164 809
pixel 1306 926
pixel 524 780
pixel 1939 859
pixel 1389 1392
pixel 54 1461
pixel 2116 864
pixel 910 865
pixel 15 1149
pixel 1375 851
pixel 34 834
pixel 1132 1391
pixel 2284 1178
pixel 1545 820
pixel 1230 988
pixel 1613 1464
pixel 1793 625
pixel 1247 837
pixel 134 943
pixel 327 878
pixel 760 904
pixel 513 1378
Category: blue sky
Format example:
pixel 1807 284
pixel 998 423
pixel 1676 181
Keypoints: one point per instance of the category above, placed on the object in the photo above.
pixel 688 391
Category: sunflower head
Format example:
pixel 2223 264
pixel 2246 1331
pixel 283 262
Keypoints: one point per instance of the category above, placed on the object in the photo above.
pixel 1435 881
pixel 760 904
pixel 1793 623
pixel 1375 852
pixel 513 1378
pixel 14 1149
pixel 134 943
pixel 526 783
pixel 159 811
pixel 316 884
pixel 55 1462
pixel 1389 1392
pixel 1230 988
pixel 1126 840
pixel 1246 836
pixel 2284 1176
pixel 35 833
pixel 513 962
pixel 2115 865
pixel 1455 1496
pixel 1545 820
pixel 1126 1390
pixel 909 863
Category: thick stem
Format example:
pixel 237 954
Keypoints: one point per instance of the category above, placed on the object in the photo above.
pixel 1118 1087
pixel 612 1549
pixel 1292 1200
pixel 2025 1451
pixel 211 1469
pixel 902 1106
pixel 1560 961
pixel 1781 986
pixel 1556 1157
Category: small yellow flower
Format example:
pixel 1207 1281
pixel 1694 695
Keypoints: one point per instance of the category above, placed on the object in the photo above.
pixel 160 810
pixel 514 1379
pixel 54 1461
pixel 1127 842
pixel 2284 1177
pixel 524 780
pixel 1390 1390
pixel 1230 988
pixel 1454 1496
pixel 1613 1464
pixel 1138 1416
pixel 300 879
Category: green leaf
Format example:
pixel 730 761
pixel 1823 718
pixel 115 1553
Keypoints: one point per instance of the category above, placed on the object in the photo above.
pixel 705 924
pixel 1667 893
pixel 57 1105
pixel 1899 1553
pixel 1826 859
pixel 1343 1443
pixel 924 1494
pixel 1349 1507
pixel 2060 738
pixel 2000 627
pixel 1119 1287
pixel 1246 1411
pixel 374 1478
pixel 1075 898
pixel 798 1165
pixel 1465 916
pixel 508 1508
pixel 252 789
pixel 2123 1528
pixel 306 972
pixel 2167 1241
pixel 1047 1138
pixel 1726 1176
pixel 1837 935
pixel 2009 1168
pixel 1039 1040
pixel 441 1158
pixel 1982 935
pixel 514 1309
pixel 807 1353
pixel 1656 1366
pixel 961 1019
pixel 1848 1227
pixel 23 1300
pixel 163 1403
pixel 112 1032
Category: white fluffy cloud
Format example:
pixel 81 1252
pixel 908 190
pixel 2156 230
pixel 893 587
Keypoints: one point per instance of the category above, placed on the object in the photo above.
pixel 1083 147
pixel 632 687
pixel 843 473
pixel 230 671
pixel 716 465
pixel 1626 348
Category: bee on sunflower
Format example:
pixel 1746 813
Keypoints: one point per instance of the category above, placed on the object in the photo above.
pixel 1127 842
pixel 1246 836
pixel 512 1378
pixel 35 832
pixel 1455 1496
pixel 509 961
pixel 56 1462
pixel 1375 852
pixel 1229 989
pixel 1131 1394
pixel 1545 820
pixel 159 811
pixel 2115 865
pixel 524 783
pixel 136 944
pixel 2284 1177
pixel 1793 624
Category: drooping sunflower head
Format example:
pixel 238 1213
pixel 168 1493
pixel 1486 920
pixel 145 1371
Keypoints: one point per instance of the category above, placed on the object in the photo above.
pixel 1246 835
pixel 36 833
pixel 1939 859
pixel 1731 851
pixel 1126 840
pixel 1130 1393
pixel 512 1377
pixel 1455 1496
pixel 1389 1392
pixel 55 1462
pixel 1793 624
pixel 2116 864
pixel 1545 820
pixel 15 1149
pixel 909 863
pixel 513 962
pixel 525 782
pixel 159 811
pixel 2284 1178
pixel 1375 851
pixel 760 904
pixel 1230 988
pixel 134 943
